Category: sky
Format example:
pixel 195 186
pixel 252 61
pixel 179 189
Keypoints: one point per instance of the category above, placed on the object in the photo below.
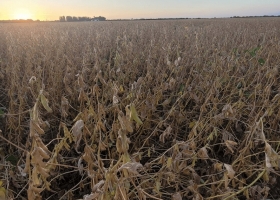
pixel 127 9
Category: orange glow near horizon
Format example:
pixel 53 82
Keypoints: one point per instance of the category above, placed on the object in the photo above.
pixel 127 9
pixel 34 12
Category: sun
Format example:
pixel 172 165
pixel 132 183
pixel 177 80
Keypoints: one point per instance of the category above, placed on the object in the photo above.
pixel 22 14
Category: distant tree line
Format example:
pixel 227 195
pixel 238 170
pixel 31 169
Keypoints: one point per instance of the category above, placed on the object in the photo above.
pixel 255 16
pixel 100 18
pixel 80 19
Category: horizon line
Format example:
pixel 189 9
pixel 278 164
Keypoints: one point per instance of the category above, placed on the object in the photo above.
pixel 142 18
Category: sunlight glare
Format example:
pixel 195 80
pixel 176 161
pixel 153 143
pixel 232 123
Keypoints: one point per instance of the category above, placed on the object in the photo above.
pixel 22 14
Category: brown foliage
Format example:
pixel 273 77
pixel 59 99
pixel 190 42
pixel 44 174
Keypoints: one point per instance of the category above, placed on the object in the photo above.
pixel 140 110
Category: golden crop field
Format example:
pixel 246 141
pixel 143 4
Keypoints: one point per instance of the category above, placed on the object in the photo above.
pixel 186 109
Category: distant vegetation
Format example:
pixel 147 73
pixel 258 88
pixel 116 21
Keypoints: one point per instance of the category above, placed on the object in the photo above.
pixel 79 19
pixel 181 110
pixel 101 18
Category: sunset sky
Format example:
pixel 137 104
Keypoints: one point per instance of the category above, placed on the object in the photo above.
pixel 116 9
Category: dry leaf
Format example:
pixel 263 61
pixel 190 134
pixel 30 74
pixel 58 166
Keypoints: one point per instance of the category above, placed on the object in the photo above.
pixel 227 110
pixel 166 102
pixel 134 115
pixel 267 162
pixel 169 162
pixel 177 196
pixel 167 133
pixel 123 142
pixel 230 145
pixel 45 103
pixel 125 122
pixel 80 166
pixel 198 197
pixel 2 191
pixel 45 125
pixel 202 153
pixel 64 107
pixel 271 157
pixel 132 167
pixel 77 132
pixel 92 196
pixel 218 167
pixel 115 100
pixel 192 124
pixel 157 186
pixel 230 171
